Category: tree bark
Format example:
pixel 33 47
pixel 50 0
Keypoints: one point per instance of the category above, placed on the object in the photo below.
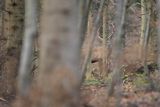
pixel 12 33
pixel 117 50
pixel 104 42
pixel 58 81
pixel 60 53
pixel 158 28
pixel 24 78
pixel 92 38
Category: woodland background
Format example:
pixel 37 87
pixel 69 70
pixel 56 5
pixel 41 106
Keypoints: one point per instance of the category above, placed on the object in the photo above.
pixel 79 53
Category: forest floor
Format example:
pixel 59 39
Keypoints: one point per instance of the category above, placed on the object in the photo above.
pixel 135 93
pixel 136 89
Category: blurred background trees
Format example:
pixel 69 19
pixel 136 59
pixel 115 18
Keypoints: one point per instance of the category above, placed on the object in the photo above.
pixel 66 44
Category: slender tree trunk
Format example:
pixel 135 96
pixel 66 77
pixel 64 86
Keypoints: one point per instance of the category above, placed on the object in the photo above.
pixel 92 39
pixel 143 26
pixel 158 27
pixel 88 75
pixel 152 35
pixel 147 31
pixel 31 13
pixel 84 23
pixel 84 13
pixel 12 32
pixel 117 50
pixel 105 31
pixel 1 19
pixel 146 36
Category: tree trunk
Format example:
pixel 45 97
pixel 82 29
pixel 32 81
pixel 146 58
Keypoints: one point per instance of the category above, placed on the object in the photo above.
pixel 92 38
pixel 10 51
pixel 60 53
pixel 83 17
pixel 158 28
pixel 25 69
pixel 105 31
pixel 143 26
pixel 118 50
pixel 58 81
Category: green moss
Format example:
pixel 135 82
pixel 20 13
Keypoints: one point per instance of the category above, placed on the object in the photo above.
pixel 140 81
pixel 92 82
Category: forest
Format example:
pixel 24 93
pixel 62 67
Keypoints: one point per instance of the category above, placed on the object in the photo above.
pixel 79 53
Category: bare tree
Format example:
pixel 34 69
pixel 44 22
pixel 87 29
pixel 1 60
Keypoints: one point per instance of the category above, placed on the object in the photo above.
pixel 158 27
pixel 84 13
pixel 117 50
pixel 143 25
pixel 31 14
pixel 92 39
pixel 105 35
pixel 145 10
